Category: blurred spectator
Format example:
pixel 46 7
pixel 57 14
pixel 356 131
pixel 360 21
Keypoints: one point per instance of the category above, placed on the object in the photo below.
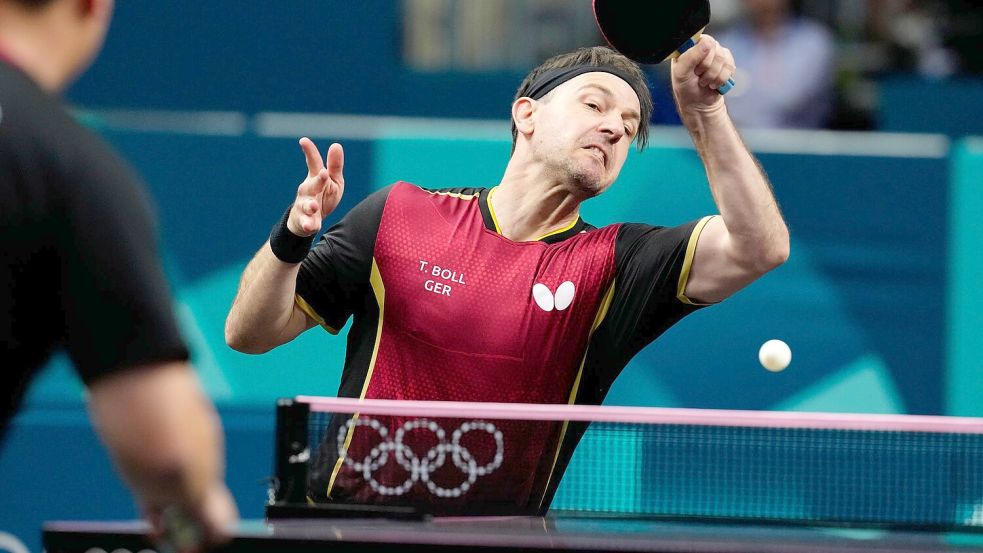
pixel 932 38
pixel 963 34
pixel 787 61
pixel 912 33
pixel 492 35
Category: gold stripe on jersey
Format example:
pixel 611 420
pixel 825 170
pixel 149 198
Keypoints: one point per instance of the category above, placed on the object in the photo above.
pixel 491 210
pixel 498 228
pixel 688 261
pixel 379 289
pixel 560 231
pixel 306 308
pixel 602 312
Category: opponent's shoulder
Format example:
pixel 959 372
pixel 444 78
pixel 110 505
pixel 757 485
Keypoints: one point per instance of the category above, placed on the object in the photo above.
pixel 22 101
pixel 31 116
pixel 37 126
pixel 47 153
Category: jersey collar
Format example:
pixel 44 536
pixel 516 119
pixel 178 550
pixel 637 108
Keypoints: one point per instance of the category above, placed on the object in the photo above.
pixel 558 235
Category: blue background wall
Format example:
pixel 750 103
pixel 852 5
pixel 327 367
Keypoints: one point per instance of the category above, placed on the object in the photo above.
pixel 879 301
pixel 302 55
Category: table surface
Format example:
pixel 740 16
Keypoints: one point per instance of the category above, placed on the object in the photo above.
pixel 563 533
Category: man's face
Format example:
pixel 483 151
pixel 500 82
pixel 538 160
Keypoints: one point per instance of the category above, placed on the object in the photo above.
pixel 584 128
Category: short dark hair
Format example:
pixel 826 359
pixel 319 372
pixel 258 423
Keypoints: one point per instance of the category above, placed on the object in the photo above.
pixel 596 55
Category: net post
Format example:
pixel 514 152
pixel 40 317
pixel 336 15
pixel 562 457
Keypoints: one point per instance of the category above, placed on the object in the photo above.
pixel 292 452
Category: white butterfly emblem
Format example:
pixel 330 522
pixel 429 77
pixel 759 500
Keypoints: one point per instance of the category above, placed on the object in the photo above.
pixel 547 300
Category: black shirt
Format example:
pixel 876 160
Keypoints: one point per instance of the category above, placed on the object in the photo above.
pixel 79 268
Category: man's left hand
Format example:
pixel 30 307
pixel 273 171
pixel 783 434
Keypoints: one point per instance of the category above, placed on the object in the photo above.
pixel 698 73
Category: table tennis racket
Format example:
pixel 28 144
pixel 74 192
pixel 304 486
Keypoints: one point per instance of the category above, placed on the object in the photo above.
pixel 655 30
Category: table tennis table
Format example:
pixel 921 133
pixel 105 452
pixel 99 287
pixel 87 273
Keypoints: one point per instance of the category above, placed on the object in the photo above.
pixel 504 534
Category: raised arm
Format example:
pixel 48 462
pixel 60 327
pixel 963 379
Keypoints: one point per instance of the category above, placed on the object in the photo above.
pixel 750 237
pixel 263 314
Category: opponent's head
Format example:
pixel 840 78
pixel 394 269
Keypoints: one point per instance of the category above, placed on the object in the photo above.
pixel 56 38
pixel 578 114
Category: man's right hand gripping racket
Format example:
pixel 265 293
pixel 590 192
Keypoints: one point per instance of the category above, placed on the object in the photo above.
pixel 655 30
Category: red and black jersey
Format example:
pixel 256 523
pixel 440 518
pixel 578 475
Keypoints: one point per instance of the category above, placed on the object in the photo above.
pixel 446 308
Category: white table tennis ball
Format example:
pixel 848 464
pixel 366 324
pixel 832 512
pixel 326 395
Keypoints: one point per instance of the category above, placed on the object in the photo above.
pixel 775 355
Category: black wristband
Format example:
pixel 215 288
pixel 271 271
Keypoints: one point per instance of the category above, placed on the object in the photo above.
pixel 287 246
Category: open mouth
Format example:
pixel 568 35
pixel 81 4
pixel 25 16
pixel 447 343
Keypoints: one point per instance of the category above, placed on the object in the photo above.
pixel 600 151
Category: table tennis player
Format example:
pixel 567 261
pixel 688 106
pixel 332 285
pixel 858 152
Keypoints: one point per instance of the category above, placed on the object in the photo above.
pixel 504 293
pixel 79 271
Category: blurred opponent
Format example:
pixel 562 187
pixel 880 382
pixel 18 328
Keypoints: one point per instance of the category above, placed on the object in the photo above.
pixel 79 271
pixel 505 294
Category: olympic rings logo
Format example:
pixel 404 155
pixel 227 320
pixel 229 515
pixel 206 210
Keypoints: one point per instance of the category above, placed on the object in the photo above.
pixel 422 467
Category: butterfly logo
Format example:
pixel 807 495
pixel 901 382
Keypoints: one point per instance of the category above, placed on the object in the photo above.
pixel 547 300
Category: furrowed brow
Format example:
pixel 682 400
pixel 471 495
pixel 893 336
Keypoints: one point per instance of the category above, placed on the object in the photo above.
pixel 629 113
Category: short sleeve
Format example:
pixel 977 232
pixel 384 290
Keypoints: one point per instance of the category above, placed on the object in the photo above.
pixel 335 274
pixel 117 309
pixel 652 268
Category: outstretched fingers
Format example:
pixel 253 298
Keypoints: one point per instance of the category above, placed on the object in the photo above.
pixel 306 217
pixel 313 156
pixel 335 186
pixel 336 162
pixel 319 194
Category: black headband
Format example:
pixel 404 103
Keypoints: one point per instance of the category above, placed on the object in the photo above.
pixel 555 77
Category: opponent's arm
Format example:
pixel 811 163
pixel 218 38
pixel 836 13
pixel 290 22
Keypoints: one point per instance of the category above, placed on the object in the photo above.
pixel 750 238
pixel 166 440
pixel 263 314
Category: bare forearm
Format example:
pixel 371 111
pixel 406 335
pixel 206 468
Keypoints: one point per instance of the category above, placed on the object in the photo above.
pixel 263 314
pixel 264 303
pixel 162 432
pixel 740 189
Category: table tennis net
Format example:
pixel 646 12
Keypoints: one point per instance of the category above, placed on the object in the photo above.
pixel 858 470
